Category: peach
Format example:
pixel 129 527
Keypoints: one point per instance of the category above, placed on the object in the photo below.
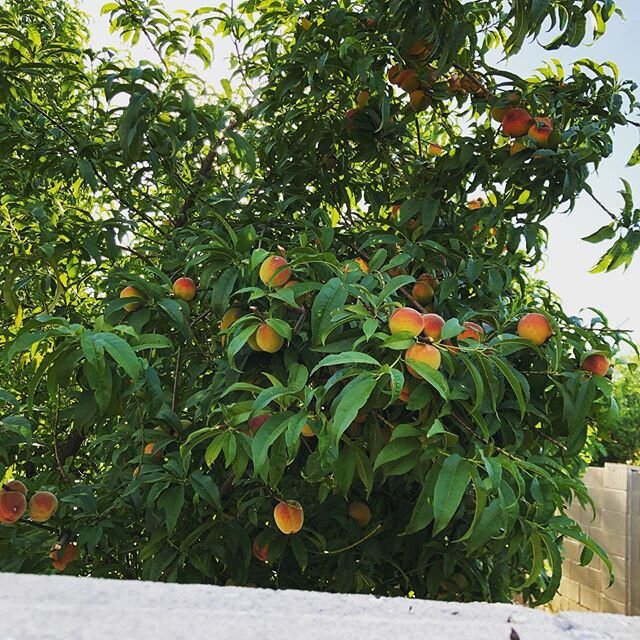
pixel 419 100
pixel 422 291
pixel 131 292
pixel 12 506
pixel 433 324
pixel 62 557
pixel 307 431
pixel 535 328
pixel 406 320
pixel 419 50
pixel 360 512
pixel 268 339
pixel 434 149
pixel 478 203
pixel 516 122
pixel 184 289
pixel 596 363
pixel 289 516
pixel 395 211
pixel 498 113
pixel 424 354
pixel 364 266
pixel 393 73
pixel 253 342
pixel 432 280
pixel 42 506
pixel 256 422
pixel 16 485
pixel 541 131
pixel 230 317
pixel 260 550
pixel 516 147
pixel 275 272
pixel 408 80
pixel 472 331
pixel 405 394
pixel 363 99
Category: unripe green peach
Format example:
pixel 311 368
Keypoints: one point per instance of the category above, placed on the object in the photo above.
pixel 596 363
pixel 131 292
pixel 274 272
pixel 535 328
pixel 406 320
pixel 360 512
pixel 184 289
pixel 268 339
pixel 289 516
pixel 42 506
pixel 424 354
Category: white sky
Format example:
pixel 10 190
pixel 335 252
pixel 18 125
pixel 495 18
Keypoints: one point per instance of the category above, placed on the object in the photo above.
pixel 569 259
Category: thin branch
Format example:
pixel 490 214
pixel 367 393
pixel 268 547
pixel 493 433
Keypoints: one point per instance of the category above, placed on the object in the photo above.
pixel 473 79
pixel 175 381
pixel 602 206
pixel 371 533
pixel 55 440
pixel 419 138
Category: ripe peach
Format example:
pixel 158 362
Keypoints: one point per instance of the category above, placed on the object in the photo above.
pixel 360 512
pixel 516 122
pixel 498 113
pixel 406 320
pixel 131 292
pixel 289 516
pixel 42 506
pixel 408 80
pixel 433 324
pixel 405 394
pixel 535 328
pixel 364 266
pixel 253 343
pixel 423 353
pixel 16 485
pixel 12 506
pixel 541 131
pixel 422 291
pixel 393 73
pixel 256 422
pixel 363 99
pixel 274 271
pixel 260 550
pixel 268 339
pixel 419 50
pixel 478 203
pixel 307 431
pixel 472 331
pixel 230 317
pixel 419 100
pixel 62 557
pixel 434 149
pixel 596 363
pixel 184 289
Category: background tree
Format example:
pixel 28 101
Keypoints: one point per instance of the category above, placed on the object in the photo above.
pixel 230 429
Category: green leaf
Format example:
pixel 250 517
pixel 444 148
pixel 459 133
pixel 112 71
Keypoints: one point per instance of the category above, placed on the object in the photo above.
pixel 396 449
pixel 350 357
pixel 332 296
pixel 120 350
pixel 172 501
pixel 451 484
pixel 433 377
pixel 517 381
pixel 353 397
pixel 604 233
pixel 173 309
pixel 635 157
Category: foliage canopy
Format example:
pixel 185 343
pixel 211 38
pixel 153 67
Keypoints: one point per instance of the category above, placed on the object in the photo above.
pixel 118 173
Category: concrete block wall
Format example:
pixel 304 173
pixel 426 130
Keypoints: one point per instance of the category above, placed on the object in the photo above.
pixel 615 489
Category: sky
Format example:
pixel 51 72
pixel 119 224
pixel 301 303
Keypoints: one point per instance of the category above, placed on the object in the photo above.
pixel 568 259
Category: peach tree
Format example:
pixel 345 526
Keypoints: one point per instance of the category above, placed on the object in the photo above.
pixel 283 330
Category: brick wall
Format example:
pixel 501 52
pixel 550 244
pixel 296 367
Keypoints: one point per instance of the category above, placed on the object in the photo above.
pixel 615 489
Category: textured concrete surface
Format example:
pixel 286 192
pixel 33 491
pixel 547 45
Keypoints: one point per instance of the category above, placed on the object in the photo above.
pixel 66 608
